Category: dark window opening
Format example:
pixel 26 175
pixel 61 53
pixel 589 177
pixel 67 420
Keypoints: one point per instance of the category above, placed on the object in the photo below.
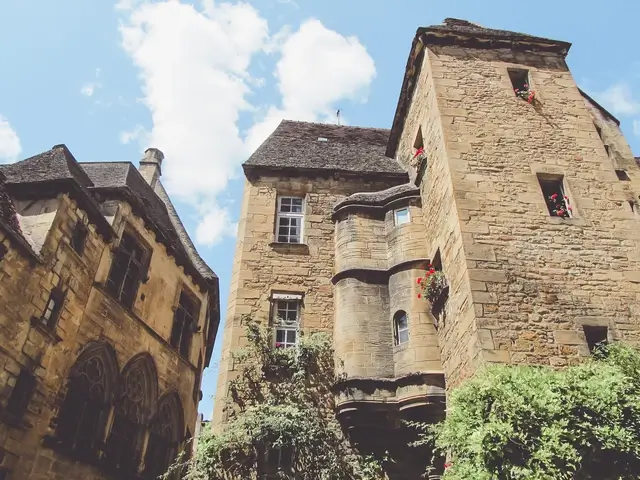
pixel 123 446
pixel 276 462
pixel 519 80
pixel 53 308
pixel 556 199
pixel 185 320
pixel 196 383
pixel 79 238
pixel 164 436
pixel 599 130
pixel 419 141
pixel 21 394
pixel 3 251
pixel 595 335
pixel 623 176
pixel 633 206
pixel 127 270
pixel 400 328
pixel 607 150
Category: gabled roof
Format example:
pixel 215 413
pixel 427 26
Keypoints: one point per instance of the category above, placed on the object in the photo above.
pixel 124 178
pixel 461 33
pixel 301 146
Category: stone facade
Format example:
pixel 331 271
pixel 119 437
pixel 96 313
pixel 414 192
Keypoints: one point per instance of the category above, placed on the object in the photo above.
pixel 525 284
pixel 139 407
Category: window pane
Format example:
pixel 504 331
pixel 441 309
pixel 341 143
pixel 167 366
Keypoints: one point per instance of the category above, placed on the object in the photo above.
pixel 291 336
pixel 403 336
pixel 296 205
pixel 280 336
pixel 402 322
pixel 285 205
pixel 402 216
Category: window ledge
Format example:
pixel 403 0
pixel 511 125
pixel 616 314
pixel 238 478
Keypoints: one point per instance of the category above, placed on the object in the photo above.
pixel 290 247
pixel 46 331
pixel 13 421
pixel 580 222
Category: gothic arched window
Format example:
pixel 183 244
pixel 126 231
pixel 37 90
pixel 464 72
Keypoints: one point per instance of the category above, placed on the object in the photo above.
pixel 165 435
pixel 83 415
pixel 133 409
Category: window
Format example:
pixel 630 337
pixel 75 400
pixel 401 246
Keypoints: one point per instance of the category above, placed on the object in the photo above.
pixel 132 411
pixel 21 394
pixel 164 437
pixel 595 335
pixel 127 270
pixel 400 328
pixel 402 216
pixel 418 143
pixel 79 237
pixel 196 382
pixel 290 220
pixel 185 321
pixel 53 308
pixel 84 412
pixel 556 199
pixel 277 460
pixel 607 150
pixel 623 176
pixel 287 322
pixel 519 80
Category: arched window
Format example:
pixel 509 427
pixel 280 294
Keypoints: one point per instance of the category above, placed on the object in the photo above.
pixel 400 327
pixel 165 435
pixel 83 415
pixel 133 409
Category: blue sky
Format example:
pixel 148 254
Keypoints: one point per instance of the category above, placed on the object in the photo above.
pixel 206 81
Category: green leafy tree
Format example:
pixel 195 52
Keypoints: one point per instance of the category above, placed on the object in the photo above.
pixel 281 404
pixel 537 423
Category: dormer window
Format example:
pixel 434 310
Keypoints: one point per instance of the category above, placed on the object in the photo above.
pixel 290 219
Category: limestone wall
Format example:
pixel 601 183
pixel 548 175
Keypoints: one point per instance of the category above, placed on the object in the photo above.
pixel 88 314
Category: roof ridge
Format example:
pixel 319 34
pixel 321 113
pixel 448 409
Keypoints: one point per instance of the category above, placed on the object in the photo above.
pixel 331 125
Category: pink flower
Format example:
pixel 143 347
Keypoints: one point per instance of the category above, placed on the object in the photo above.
pixel 432 270
pixel 554 196
pixel 278 345
pixel 447 465
pixel 565 197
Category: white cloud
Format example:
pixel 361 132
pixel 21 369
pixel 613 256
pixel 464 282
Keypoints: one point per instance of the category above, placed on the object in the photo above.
pixel 620 100
pixel 636 128
pixel 10 146
pixel 193 66
pixel 88 89
pixel 311 91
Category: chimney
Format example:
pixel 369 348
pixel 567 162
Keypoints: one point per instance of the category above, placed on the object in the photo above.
pixel 150 165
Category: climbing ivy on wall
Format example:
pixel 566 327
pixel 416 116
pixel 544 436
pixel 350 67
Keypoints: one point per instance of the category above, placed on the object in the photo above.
pixel 281 399
pixel 537 423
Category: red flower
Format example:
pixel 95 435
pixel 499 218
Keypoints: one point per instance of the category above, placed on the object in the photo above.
pixel 565 197
pixel 278 345
pixel 561 212
pixel 420 151
pixel 419 295
pixel 432 270
pixel 570 209
pixel 447 465
pixel 554 196
pixel 419 280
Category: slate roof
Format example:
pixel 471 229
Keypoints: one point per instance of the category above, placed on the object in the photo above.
pixel 295 145
pixel 9 222
pixel 125 177
pixel 454 31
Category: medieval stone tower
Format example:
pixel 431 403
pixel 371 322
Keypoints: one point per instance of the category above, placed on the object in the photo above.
pixel 500 172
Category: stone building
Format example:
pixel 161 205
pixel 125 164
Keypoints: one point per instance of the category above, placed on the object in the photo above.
pixel 500 173
pixel 107 318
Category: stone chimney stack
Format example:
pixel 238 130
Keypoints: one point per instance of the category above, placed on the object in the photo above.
pixel 150 165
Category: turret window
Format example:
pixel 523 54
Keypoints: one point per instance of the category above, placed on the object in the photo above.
pixel 402 216
pixel 400 328
pixel 290 220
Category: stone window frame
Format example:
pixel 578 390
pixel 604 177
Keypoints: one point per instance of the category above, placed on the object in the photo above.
pixel 397 331
pixel 143 267
pixel 280 215
pixel 282 326
pixel 519 77
pixel 188 323
pixel 396 222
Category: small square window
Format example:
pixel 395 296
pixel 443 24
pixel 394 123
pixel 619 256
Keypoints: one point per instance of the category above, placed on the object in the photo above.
pixel 290 219
pixel 519 80
pixel 402 216
pixel 79 238
pixel 623 176
pixel 556 199
pixel 595 335
pixel 21 394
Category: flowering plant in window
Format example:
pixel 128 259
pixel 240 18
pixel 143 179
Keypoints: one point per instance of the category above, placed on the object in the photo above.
pixel 526 93
pixel 559 205
pixel 432 285
pixel 418 157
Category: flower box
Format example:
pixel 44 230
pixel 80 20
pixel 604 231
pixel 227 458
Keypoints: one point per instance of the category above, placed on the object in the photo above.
pixel 435 288
pixel 526 93
pixel 418 157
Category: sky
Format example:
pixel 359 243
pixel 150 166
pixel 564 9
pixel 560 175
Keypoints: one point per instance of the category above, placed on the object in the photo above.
pixel 206 82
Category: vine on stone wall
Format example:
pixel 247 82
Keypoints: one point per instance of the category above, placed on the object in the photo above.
pixel 281 401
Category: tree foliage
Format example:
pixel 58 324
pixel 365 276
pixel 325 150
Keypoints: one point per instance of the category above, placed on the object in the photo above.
pixel 537 423
pixel 281 400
